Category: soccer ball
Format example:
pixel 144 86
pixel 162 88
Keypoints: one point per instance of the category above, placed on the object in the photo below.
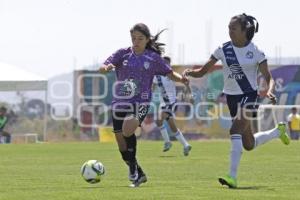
pixel 92 170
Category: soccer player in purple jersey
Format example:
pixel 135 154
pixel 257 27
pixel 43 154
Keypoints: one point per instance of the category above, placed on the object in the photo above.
pixel 241 59
pixel 135 69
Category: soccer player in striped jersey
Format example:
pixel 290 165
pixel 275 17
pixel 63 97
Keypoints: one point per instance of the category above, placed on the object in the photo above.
pixel 241 59
pixel 135 69
pixel 168 107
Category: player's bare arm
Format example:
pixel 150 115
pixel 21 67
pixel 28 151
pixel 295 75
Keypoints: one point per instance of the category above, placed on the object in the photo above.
pixel 263 68
pixel 198 73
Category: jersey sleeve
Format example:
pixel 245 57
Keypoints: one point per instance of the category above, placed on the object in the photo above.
pixel 217 53
pixel 162 67
pixel 260 56
pixel 115 58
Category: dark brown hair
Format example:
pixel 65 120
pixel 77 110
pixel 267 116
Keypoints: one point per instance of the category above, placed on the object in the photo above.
pixel 167 58
pixel 152 44
pixel 247 23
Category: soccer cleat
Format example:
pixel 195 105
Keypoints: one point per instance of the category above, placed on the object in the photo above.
pixel 284 137
pixel 186 150
pixel 133 172
pixel 167 146
pixel 141 179
pixel 229 181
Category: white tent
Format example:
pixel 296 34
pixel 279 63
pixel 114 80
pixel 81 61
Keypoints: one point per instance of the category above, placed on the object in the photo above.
pixel 13 78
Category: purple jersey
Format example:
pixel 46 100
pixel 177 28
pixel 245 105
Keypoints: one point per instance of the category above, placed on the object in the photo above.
pixel 135 74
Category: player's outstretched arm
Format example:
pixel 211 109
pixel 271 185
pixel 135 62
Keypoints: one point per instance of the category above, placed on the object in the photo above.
pixel 198 73
pixel 174 76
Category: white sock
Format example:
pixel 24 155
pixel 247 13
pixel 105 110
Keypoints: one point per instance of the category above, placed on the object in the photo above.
pixel 164 133
pixel 265 136
pixel 181 139
pixel 235 154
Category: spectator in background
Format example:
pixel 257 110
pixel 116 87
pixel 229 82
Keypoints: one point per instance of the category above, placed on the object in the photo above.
pixel 294 124
pixel 5 136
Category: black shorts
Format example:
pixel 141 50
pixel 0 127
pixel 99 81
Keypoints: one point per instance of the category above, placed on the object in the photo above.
pixel 139 111
pixel 170 109
pixel 248 101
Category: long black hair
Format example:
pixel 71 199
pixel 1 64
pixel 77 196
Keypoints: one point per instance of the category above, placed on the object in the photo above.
pixel 152 44
pixel 247 23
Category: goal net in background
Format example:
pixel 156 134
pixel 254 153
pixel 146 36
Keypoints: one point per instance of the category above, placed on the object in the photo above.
pixel 270 115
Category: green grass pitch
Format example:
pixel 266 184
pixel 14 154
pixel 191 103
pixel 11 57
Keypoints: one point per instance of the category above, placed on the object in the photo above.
pixel 52 171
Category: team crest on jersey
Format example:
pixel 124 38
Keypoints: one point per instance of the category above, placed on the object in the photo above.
pixel 125 62
pixel 146 65
pixel 249 55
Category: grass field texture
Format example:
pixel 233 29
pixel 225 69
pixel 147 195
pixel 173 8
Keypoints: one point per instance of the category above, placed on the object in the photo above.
pixel 52 171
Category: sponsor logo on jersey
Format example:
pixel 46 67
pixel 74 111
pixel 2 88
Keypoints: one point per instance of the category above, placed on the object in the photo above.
pixel 125 62
pixel 230 58
pixel 236 72
pixel 228 52
pixel 229 47
pixel 142 111
pixel 129 88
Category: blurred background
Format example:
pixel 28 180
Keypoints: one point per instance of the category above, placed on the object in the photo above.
pixel 50 52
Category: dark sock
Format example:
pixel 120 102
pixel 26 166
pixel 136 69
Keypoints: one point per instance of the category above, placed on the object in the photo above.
pixel 125 156
pixel 129 156
pixel 141 172
pixel 131 147
pixel 131 143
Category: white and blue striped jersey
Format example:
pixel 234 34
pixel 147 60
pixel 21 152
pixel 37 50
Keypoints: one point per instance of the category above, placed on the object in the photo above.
pixel 167 89
pixel 240 67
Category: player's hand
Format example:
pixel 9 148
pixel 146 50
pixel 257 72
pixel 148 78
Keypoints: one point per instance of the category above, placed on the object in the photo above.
pixel 110 67
pixel 185 80
pixel 192 100
pixel 272 97
pixel 186 72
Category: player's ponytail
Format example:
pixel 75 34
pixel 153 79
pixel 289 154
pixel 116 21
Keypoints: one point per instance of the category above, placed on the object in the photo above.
pixel 154 45
pixel 251 27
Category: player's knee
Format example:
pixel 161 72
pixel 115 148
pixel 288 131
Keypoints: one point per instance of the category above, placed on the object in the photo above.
pixel 248 147
pixel 159 123
pixel 128 131
pixel 129 126
pixel 174 129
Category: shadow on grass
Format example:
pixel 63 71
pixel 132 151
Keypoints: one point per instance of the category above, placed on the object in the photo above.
pixel 92 187
pixel 167 156
pixel 116 186
pixel 250 188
